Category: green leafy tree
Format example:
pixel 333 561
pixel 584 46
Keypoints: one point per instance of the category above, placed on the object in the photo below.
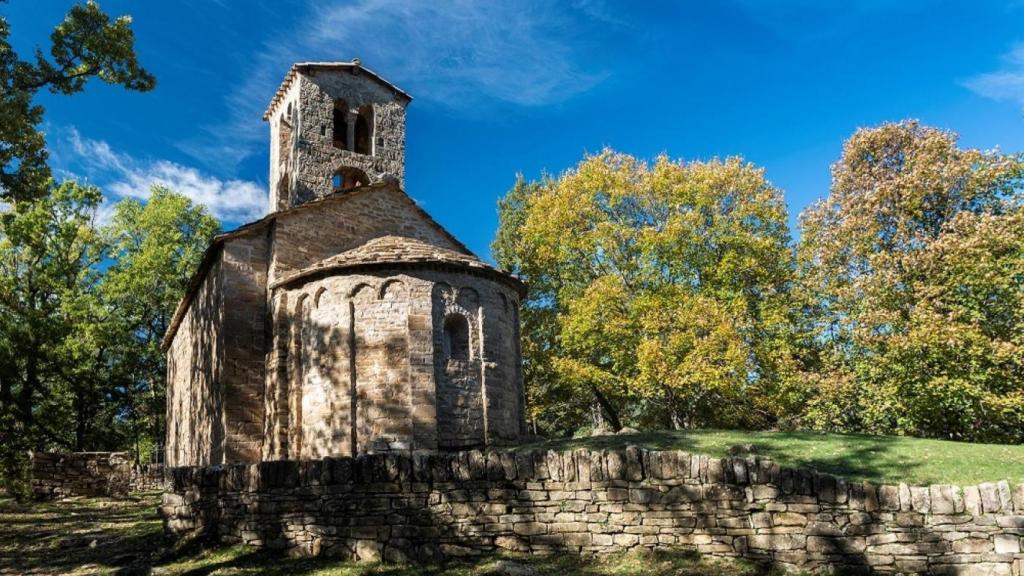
pixel 46 236
pixel 85 45
pixel 914 260
pixel 48 252
pixel 155 248
pixel 659 293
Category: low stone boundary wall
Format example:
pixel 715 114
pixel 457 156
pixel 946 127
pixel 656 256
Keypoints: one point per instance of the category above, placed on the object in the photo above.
pixel 60 475
pixel 80 474
pixel 426 506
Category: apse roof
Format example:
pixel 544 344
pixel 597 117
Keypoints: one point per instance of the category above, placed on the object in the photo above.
pixel 399 251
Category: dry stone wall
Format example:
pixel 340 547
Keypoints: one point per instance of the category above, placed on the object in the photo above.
pixel 110 474
pixel 80 474
pixel 426 506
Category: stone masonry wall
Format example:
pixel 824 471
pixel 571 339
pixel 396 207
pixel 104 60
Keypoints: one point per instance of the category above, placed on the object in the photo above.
pixel 358 365
pixel 317 159
pixel 427 506
pixel 80 474
pixel 228 374
pixel 244 292
pixel 303 157
pixel 195 367
pixel 92 474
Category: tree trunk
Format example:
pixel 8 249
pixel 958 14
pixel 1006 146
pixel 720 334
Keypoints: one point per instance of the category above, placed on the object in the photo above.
pixel 676 419
pixel 610 413
pixel 29 387
pixel 81 419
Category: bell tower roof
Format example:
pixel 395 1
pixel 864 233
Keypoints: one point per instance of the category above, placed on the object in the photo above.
pixel 353 65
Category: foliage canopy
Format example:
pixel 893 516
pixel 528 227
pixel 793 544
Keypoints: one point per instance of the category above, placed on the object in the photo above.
pixel 669 293
pixel 659 291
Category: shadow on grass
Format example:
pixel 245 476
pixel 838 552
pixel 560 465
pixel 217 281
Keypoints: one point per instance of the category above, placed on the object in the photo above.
pixel 86 536
pixel 242 560
pixel 75 534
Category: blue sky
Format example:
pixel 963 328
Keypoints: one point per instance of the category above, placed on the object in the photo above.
pixel 507 87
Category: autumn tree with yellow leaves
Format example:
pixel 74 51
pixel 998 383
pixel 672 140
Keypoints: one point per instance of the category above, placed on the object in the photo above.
pixel 669 294
pixel 915 262
pixel 659 293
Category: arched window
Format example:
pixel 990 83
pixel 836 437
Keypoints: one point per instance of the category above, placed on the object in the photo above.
pixel 339 134
pixel 364 131
pixel 348 179
pixel 283 192
pixel 284 152
pixel 456 337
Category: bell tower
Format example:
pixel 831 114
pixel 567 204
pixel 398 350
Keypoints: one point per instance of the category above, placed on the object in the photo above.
pixel 334 126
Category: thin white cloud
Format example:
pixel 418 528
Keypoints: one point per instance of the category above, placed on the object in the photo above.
pixel 465 55
pixel 465 51
pixel 122 176
pixel 1006 83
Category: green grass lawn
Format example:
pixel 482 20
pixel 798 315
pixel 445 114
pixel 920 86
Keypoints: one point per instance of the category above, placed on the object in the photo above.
pixel 78 535
pixel 82 536
pixel 880 459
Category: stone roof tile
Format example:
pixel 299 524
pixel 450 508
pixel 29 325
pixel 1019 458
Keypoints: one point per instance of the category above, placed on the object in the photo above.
pixel 398 250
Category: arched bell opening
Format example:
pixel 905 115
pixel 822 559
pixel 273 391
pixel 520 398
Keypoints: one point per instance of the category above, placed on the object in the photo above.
pixel 345 179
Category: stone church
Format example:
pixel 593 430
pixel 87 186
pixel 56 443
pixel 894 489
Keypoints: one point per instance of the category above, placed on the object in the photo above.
pixel 347 320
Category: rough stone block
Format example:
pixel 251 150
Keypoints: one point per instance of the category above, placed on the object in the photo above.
pixel 825 487
pixel 1007 543
pixel 788 519
pixel 634 466
pixel 974 569
pixel 715 471
pixel 776 541
pixel 1010 521
pixel 1005 496
pixel 1018 498
pixel 615 465
pixel 626 540
pixel 889 497
pixel 972 546
pixel 990 500
pixel 972 500
pixel 836 545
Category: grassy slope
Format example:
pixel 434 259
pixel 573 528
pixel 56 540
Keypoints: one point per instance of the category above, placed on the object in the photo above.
pixel 880 459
